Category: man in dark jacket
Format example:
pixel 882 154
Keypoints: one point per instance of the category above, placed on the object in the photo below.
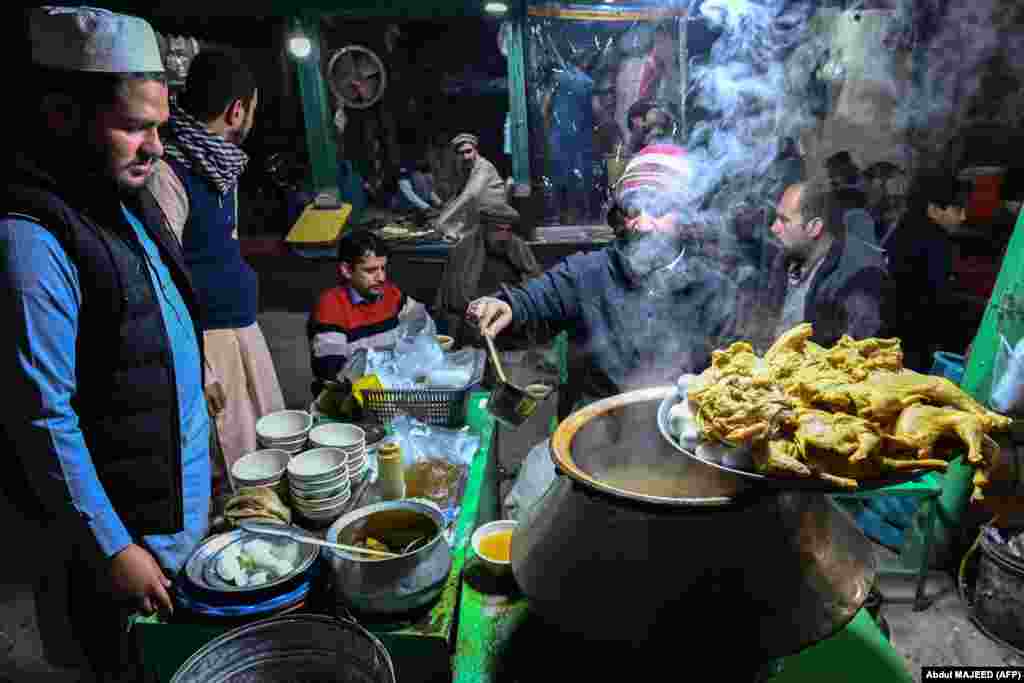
pixel 818 275
pixel 920 256
pixel 643 312
pixel 106 428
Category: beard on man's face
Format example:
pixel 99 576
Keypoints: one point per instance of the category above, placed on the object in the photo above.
pixel 643 253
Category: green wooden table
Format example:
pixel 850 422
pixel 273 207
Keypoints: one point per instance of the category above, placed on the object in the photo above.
pixel 421 650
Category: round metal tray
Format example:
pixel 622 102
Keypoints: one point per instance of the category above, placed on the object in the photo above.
pixel 781 483
pixel 276 604
pixel 201 566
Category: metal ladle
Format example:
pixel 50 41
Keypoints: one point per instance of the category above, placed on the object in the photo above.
pixel 508 403
pixel 303 537
pixel 495 359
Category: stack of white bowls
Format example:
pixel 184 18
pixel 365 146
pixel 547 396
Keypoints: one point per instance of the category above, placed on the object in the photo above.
pixel 319 484
pixel 286 430
pixel 262 469
pixel 351 439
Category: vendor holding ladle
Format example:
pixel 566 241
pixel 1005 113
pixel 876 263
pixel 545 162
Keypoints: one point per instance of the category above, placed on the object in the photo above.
pixel 643 312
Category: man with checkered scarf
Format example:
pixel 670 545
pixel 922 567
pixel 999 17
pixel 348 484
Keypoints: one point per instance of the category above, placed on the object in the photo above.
pixel 642 309
pixel 196 185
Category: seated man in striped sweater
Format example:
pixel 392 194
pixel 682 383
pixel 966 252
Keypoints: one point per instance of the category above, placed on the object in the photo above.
pixel 363 311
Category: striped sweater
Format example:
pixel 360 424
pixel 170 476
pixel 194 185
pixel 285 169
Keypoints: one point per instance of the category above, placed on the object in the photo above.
pixel 344 322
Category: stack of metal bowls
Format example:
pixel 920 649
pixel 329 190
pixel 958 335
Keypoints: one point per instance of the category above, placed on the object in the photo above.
pixel 287 430
pixel 350 438
pixel 319 484
pixel 262 469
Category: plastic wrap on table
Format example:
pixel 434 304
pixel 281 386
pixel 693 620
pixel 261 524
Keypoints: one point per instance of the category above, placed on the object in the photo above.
pixel 458 370
pixel 586 66
pixel 436 462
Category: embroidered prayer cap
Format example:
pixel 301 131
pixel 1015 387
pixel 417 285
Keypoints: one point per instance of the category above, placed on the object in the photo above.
pixel 661 166
pixel 493 213
pixel 92 39
pixel 465 138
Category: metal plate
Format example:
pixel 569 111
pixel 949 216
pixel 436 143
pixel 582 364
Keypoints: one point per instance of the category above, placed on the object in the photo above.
pixel 201 566
pixel 780 483
pixel 276 604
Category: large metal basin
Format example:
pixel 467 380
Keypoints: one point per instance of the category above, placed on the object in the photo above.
pixel 635 543
pixel 395 586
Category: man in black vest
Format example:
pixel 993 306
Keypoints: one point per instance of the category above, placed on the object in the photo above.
pixel 196 185
pixel 106 425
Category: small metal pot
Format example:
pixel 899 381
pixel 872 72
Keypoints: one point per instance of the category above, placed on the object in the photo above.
pixel 512 405
pixel 392 586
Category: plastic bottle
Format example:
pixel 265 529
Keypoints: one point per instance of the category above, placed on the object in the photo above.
pixel 391 473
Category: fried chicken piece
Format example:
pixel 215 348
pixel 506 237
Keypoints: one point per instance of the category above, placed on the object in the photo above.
pixel 737 409
pixel 779 457
pixel 836 433
pixel 883 396
pixel 793 340
pixel 924 425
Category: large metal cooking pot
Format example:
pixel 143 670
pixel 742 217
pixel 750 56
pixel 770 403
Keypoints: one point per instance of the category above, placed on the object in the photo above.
pixel 634 542
pixel 394 586
pixel 303 647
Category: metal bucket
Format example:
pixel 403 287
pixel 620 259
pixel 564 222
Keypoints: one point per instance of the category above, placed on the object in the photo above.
pixel 635 542
pixel 999 593
pixel 300 649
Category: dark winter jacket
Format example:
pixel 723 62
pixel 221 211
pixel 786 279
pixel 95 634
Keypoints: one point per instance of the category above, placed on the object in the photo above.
pixel 634 334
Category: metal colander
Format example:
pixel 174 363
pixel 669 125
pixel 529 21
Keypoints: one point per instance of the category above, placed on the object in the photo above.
pixel 303 648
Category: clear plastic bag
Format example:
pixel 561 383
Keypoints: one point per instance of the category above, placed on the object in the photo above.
pixel 458 370
pixel 436 462
pixel 1007 395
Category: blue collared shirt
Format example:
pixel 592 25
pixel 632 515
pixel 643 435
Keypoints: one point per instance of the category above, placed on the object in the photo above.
pixel 39 289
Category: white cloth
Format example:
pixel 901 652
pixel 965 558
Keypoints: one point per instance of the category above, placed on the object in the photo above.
pixel 91 39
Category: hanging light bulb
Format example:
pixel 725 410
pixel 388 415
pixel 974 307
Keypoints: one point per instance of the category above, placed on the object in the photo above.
pixel 495 8
pixel 300 46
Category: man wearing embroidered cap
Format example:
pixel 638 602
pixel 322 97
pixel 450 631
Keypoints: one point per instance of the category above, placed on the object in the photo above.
pixel 641 310
pixel 102 361
pixel 482 183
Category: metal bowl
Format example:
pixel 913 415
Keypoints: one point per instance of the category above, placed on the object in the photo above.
pixel 303 647
pixel 201 566
pixel 398 585
pixel 763 480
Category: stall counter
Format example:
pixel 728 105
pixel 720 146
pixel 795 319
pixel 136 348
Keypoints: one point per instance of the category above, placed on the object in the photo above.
pixel 421 651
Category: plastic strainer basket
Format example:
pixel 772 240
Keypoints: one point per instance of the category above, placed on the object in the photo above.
pixel 304 648
pixel 439 407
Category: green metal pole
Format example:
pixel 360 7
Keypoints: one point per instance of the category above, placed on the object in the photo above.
pixel 517 101
pixel 323 157
pixel 957 485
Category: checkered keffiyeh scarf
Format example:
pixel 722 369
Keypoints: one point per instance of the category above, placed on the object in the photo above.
pixel 206 153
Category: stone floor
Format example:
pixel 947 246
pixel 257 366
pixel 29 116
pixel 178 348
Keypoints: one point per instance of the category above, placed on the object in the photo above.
pixel 940 635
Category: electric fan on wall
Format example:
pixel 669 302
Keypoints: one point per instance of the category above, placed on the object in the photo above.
pixel 356 76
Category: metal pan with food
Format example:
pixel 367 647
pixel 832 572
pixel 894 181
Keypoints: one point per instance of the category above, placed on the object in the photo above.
pixel 844 418
pixel 240 562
